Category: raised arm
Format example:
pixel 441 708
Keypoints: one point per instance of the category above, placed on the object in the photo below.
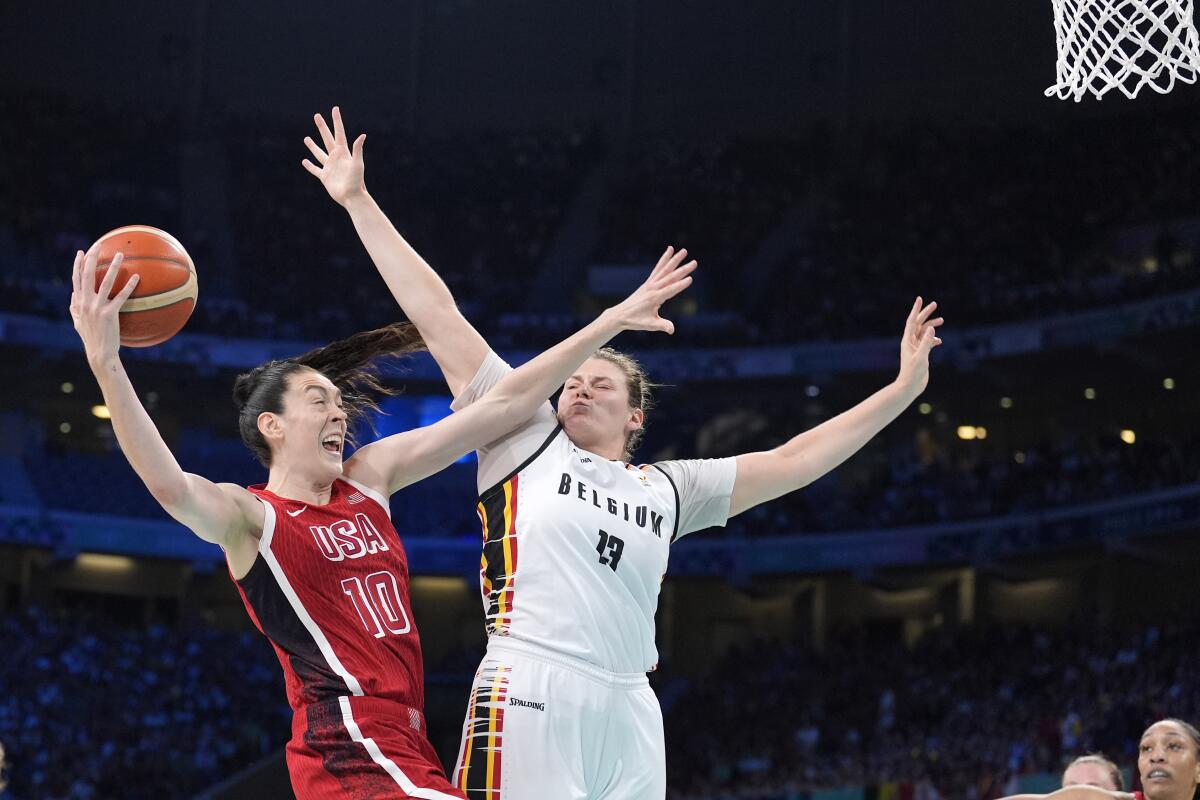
pixel 423 296
pixel 1074 793
pixel 804 458
pixel 399 460
pixel 223 513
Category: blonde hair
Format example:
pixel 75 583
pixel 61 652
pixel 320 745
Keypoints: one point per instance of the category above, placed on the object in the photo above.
pixel 1113 770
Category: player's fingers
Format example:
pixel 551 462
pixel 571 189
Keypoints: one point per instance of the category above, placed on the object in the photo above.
pixel 323 129
pixel 925 312
pixel 339 130
pixel 683 271
pixel 677 259
pixel 320 155
pixel 662 262
pixel 127 289
pixel 311 167
pixel 926 343
pixel 357 150
pixel 88 284
pixel 910 324
pixel 111 276
pixel 936 322
pixel 77 273
pixel 673 288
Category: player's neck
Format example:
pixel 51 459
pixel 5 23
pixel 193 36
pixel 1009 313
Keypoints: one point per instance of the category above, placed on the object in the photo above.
pixel 295 486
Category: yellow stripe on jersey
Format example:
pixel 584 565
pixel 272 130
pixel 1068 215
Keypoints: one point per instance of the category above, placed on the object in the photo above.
pixel 497 513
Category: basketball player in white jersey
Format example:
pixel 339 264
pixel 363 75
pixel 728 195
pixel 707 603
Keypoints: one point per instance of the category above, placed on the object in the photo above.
pixel 576 538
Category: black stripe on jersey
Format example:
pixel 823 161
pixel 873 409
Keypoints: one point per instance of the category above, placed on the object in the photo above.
pixel 493 549
pixel 281 625
pixel 483 496
pixel 675 489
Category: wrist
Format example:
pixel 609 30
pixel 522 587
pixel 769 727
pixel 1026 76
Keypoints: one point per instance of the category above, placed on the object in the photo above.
pixel 610 320
pixel 905 391
pixel 358 200
pixel 105 365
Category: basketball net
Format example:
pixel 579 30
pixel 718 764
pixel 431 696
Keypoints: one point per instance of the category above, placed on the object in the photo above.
pixel 1123 44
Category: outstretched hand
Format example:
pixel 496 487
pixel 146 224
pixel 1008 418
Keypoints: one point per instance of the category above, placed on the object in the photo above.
pixel 920 337
pixel 94 309
pixel 639 311
pixel 341 165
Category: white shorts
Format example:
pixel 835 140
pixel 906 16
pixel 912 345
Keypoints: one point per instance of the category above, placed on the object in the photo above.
pixel 545 726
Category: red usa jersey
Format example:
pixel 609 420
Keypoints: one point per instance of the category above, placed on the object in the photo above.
pixel 330 590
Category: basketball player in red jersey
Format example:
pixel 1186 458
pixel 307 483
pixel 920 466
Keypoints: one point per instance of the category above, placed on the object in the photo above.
pixel 1168 762
pixel 319 565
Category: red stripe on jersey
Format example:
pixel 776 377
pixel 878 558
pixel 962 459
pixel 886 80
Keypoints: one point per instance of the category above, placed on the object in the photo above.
pixel 331 592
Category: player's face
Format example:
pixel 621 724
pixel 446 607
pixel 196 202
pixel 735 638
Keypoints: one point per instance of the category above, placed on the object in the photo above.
pixel 311 430
pixel 1167 762
pixel 594 407
pixel 1088 774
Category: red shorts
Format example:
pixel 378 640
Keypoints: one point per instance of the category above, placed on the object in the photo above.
pixel 364 748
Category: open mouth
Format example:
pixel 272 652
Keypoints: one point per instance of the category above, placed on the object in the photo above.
pixel 332 444
pixel 1158 774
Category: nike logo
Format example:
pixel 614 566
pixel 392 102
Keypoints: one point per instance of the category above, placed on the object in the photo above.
pixel 298 512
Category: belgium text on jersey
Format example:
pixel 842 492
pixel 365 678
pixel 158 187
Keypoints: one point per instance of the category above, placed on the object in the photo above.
pixel 613 506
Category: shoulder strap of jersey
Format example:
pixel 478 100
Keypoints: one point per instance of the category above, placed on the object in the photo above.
pixel 499 485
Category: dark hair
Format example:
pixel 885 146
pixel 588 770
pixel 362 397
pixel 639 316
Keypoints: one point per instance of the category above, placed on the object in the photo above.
pixel 1188 728
pixel 347 363
pixel 1114 771
pixel 640 392
pixel 1192 733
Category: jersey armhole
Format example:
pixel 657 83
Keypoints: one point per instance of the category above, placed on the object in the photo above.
pixel 379 499
pixel 675 490
pixel 500 483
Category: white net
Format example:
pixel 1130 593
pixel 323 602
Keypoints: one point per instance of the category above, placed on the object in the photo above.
pixel 1123 44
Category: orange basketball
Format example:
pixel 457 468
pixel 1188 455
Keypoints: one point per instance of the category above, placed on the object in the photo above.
pixel 166 292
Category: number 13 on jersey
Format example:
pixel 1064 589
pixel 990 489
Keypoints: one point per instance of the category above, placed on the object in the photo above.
pixel 610 548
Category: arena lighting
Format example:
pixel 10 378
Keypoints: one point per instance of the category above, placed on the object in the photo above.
pixel 64 427
pixel 1006 402
pixel 101 412
pixel 1019 457
pixel 430 583
pixel 813 390
pixel 968 432
pixel 67 387
pixel 1168 383
pixel 980 432
pixel 925 408
pixel 102 562
pixel 1128 436
pixel 1089 393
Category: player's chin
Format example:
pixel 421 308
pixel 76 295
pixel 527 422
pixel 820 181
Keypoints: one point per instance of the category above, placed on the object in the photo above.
pixel 332 460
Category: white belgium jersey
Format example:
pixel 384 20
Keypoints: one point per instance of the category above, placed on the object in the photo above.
pixel 576 545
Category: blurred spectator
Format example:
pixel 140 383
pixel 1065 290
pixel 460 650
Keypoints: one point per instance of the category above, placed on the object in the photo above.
pixel 971 708
pixel 1093 770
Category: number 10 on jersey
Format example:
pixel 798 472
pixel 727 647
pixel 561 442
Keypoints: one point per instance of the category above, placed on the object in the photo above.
pixel 376 598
